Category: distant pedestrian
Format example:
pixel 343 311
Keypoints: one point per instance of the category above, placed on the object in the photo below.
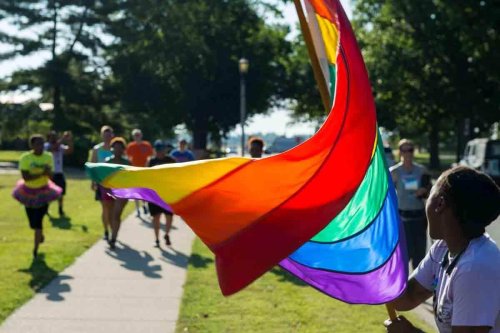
pixel 35 190
pixel 182 154
pixel 118 146
pixel 461 271
pixel 100 152
pixel 412 183
pixel 255 147
pixel 138 151
pixel 156 212
pixel 59 147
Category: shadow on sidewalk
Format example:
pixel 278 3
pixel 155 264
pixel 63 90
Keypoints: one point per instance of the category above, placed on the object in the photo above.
pixel 135 261
pixel 42 274
pixel 172 256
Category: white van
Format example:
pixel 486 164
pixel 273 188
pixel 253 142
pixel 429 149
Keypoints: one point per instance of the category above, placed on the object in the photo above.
pixel 483 154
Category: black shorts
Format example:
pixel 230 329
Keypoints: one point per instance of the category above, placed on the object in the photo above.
pixel 59 180
pixel 35 216
pixel 97 195
pixel 155 210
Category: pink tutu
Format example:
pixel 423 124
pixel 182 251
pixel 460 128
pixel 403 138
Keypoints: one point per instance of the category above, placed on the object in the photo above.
pixel 36 197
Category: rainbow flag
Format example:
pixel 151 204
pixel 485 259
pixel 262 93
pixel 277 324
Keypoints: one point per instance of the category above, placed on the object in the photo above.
pixel 325 210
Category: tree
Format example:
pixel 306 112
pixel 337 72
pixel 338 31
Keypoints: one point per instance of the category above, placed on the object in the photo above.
pixel 69 31
pixel 179 62
pixel 431 63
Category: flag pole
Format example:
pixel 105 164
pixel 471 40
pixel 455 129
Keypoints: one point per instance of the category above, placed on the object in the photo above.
pixel 323 89
pixel 318 74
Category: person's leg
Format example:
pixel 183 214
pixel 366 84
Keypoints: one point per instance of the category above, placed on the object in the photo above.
pixel 62 184
pixel 168 226
pixel 408 226
pixel 420 241
pixel 116 217
pixel 137 208
pixel 35 217
pixel 156 227
pixel 107 206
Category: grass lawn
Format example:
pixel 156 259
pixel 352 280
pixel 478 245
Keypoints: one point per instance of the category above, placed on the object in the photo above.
pixel 66 239
pixel 277 302
pixel 10 155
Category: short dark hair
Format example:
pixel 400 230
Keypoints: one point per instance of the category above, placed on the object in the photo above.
pixel 256 141
pixel 35 137
pixel 473 196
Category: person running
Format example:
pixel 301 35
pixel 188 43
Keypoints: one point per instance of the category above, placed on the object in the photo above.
pixel 462 269
pixel 138 152
pixel 182 154
pixel 412 184
pixel 100 152
pixel 35 190
pixel 156 212
pixel 58 148
pixel 118 146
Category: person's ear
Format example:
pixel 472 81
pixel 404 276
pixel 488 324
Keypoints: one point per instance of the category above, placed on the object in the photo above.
pixel 441 204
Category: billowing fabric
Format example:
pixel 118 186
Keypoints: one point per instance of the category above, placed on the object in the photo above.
pixel 325 210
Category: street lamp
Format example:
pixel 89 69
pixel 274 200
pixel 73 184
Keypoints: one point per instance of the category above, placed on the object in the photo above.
pixel 243 67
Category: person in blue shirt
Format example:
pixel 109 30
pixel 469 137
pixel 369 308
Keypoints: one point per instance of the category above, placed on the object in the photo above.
pixel 182 154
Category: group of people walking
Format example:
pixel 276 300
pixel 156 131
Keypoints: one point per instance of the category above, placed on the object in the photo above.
pixel 138 153
pixel 43 178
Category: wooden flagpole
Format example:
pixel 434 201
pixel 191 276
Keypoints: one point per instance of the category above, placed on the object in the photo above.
pixel 323 89
pixel 318 74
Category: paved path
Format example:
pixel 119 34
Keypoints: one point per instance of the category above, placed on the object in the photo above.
pixel 136 288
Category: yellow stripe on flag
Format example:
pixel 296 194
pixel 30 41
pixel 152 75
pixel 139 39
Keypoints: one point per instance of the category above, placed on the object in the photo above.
pixel 173 182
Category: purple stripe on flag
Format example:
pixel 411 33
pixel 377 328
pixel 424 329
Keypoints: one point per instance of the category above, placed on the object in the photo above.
pixel 140 193
pixel 377 287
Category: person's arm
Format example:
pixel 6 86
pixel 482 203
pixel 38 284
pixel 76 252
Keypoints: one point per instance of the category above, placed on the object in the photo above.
pixel 394 176
pixel 470 329
pixel 93 156
pixel 93 159
pixel 414 295
pixel 67 140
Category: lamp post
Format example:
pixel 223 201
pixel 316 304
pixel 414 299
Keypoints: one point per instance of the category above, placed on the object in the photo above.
pixel 243 67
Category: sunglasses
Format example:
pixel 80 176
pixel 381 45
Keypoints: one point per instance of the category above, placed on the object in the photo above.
pixel 407 150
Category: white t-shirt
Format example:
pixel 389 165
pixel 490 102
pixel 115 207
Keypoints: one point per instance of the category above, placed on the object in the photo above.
pixel 57 155
pixel 470 294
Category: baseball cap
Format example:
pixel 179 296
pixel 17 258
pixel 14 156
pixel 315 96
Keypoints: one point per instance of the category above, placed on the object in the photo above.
pixel 159 145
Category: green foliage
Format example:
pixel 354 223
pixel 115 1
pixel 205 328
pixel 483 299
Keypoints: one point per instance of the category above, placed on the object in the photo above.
pixel 431 64
pixel 179 63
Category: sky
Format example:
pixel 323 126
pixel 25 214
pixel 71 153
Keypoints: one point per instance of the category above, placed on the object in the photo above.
pixel 277 121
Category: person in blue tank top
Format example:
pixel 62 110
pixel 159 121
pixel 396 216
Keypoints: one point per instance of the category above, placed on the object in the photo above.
pixel 100 153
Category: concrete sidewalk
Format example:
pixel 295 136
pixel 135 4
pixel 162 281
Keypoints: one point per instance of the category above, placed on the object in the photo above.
pixel 136 288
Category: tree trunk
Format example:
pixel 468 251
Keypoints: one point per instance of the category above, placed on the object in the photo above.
pixel 434 146
pixel 59 123
pixel 200 133
pixel 460 139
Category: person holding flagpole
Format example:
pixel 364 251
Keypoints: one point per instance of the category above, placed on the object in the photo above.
pixel 462 269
